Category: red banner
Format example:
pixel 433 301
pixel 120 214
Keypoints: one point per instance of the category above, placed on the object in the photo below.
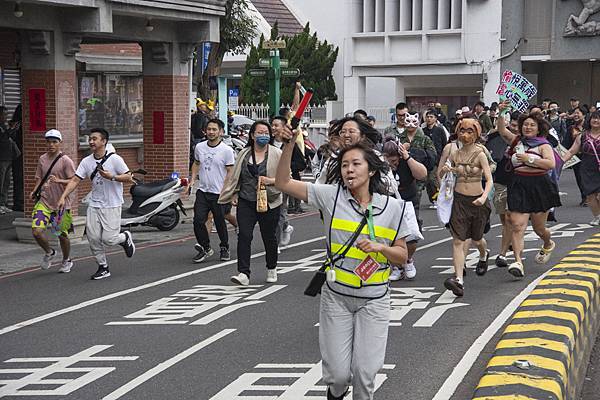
pixel 37 109
pixel 158 127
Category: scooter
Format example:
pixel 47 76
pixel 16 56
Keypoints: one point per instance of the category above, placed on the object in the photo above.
pixel 155 203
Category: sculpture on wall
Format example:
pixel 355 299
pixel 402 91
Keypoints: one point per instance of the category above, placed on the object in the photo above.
pixel 579 25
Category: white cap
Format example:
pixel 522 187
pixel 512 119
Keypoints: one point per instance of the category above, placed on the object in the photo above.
pixel 458 112
pixel 466 109
pixel 53 134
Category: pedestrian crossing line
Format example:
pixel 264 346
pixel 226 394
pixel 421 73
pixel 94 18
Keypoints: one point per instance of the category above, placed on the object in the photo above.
pixel 532 360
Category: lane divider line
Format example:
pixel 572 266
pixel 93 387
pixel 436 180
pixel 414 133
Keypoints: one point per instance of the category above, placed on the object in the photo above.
pixel 124 292
pixel 545 348
pixel 129 386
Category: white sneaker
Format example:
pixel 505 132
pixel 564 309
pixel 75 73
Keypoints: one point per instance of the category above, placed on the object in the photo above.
pixel 595 221
pixel 47 260
pixel 272 275
pixel 409 270
pixel 240 279
pixel 286 235
pixel 396 274
pixel 66 266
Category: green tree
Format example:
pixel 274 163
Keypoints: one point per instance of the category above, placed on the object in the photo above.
pixel 237 29
pixel 314 59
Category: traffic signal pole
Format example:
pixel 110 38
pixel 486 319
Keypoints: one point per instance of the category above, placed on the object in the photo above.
pixel 274 77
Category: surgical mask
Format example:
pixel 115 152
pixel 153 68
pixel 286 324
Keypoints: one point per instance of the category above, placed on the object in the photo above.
pixel 262 141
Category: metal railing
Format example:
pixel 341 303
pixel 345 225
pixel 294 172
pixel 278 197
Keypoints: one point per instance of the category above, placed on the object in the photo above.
pixel 313 114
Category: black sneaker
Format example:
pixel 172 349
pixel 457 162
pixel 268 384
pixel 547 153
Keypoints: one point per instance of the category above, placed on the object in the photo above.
pixel 332 397
pixel 224 255
pixel 128 244
pixel 454 286
pixel 102 273
pixel 482 266
pixel 501 262
pixel 203 254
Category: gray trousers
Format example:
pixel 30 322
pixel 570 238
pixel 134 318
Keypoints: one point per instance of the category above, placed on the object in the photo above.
pixel 353 338
pixel 103 227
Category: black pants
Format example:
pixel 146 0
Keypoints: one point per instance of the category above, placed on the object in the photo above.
pixel 206 202
pixel 577 172
pixel 267 221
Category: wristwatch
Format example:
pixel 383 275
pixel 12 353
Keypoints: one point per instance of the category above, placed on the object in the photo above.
pixel 530 160
pixel 114 178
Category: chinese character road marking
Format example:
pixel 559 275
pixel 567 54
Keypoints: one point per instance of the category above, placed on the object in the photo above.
pixel 129 386
pixel 181 307
pixel 307 264
pixel 60 365
pixel 306 385
pixel 403 300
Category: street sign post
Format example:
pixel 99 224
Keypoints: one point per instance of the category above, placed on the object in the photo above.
pixel 273 44
pixel 258 72
pixel 290 72
pixel 274 68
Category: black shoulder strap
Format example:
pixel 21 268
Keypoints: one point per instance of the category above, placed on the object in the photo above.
pixel 106 157
pixel 45 178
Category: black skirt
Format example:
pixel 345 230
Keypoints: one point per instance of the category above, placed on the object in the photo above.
pixel 532 194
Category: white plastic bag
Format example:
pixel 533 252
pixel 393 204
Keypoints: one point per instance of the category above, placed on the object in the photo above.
pixel 445 197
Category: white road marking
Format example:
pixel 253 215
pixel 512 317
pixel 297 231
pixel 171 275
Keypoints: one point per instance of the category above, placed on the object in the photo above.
pixel 129 386
pixel 111 296
pixel 464 365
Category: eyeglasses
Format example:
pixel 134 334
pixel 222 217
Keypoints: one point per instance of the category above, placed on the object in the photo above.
pixel 467 130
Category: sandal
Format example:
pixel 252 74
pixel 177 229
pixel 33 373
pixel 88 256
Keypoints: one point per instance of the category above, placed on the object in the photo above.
pixel 516 269
pixel 544 254
pixel 482 266
pixel 454 286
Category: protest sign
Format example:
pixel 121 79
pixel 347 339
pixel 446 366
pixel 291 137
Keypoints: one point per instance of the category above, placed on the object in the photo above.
pixel 517 89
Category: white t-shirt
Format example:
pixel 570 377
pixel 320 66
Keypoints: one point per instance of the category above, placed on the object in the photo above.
pixel 213 161
pixel 105 193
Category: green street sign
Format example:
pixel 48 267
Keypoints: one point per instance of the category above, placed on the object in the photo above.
pixel 258 72
pixel 290 72
pixel 273 44
pixel 266 63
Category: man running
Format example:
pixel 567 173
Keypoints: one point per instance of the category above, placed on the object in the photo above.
pixel 54 171
pixel 108 172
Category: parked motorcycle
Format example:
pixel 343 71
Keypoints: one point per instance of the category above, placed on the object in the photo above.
pixel 155 204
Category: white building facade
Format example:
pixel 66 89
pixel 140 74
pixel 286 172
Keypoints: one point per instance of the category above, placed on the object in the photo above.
pixel 417 51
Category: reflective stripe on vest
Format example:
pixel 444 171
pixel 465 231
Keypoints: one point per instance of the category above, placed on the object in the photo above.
pixel 357 254
pixel 350 279
pixel 351 226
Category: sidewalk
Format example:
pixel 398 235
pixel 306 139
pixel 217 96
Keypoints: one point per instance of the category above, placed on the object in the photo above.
pixel 16 256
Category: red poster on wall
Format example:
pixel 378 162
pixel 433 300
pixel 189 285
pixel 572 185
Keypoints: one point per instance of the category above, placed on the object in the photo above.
pixel 37 109
pixel 158 127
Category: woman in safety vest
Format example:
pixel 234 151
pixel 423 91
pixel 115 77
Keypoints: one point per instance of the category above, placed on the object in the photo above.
pixel 365 230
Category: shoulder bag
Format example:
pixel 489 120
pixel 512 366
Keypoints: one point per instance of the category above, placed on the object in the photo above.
pixel 317 281
pixel 37 194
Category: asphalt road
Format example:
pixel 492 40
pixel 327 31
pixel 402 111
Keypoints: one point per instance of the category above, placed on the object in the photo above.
pixel 164 328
